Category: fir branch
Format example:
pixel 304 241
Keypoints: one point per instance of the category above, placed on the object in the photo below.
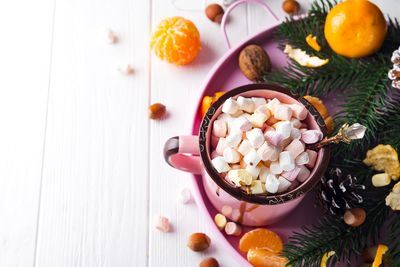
pixel 331 233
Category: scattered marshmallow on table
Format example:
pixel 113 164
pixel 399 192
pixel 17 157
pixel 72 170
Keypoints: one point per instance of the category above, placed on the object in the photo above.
pixel 260 145
pixel 162 224
pixel 184 196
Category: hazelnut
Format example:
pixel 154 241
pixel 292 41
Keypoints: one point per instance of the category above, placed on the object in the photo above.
pixel 214 12
pixel 291 6
pixel 209 262
pixel 157 111
pixel 254 62
pixel 198 242
pixel 354 217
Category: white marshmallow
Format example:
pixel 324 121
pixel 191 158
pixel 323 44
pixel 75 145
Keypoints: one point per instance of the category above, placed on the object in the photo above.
pixel 284 128
pixel 291 175
pixel 286 161
pixel 245 147
pixel 110 36
pixel 258 119
pixel 296 123
pixel 264 171
pixel 231 155
pixel 263 109
pixel 226 118
pixel 184 195
pixel 219 128
pixel 311 136
pixel 238 113
pixel 252 158
pixel 259 101
pixel 283 184
pixel 296 147
pixel 234 138
pixel 299 111
pixel 220 164
pixel 272 104
pixel 221 146
pixel 302 159
pixel 257 187
pixel 255 137
pixel 303 175
pixel 230 106
pixel 125 69
pixel 242 123
pixel 254 171
pixel 233 176
pixel 275 168
pixel 295 133
pixel 268 152
pixel 272 184
pixel 246 104
pixel 272 137
pixel 312 155
pixel 283 112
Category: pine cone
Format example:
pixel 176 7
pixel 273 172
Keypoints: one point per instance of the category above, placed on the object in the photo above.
pixel 339 192
pixel 394 74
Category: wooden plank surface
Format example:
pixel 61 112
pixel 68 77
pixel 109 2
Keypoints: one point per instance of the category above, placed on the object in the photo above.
pixel 26 34
pixel 81 172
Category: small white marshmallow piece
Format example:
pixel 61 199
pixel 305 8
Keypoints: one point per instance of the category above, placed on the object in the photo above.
pixel 284 128
pixel 184 196
pixel 246 104
pixel 259 101
pixel 283 112
pixel 220 164
pixel 231 155
pixel 234 138
pixel 302 159
pixel 272 184
pixel 244 147
pixel 286 161
pixel 258 119
pixel 230 106
pixel 242 123
pixel 219 128
pixel 311 136
pixel 255 137
pixel 125 69
pixel 110 37
pixel 252 158
pixel 275 168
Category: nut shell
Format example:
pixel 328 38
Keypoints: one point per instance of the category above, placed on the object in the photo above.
pixel 291 6
pixel 354 217
pixel 209 262
pixel 254 62
pixel 157 111
pixel 214 12
pixel 198 242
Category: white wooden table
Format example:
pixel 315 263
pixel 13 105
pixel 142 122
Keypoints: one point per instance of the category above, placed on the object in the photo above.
pixel 81 167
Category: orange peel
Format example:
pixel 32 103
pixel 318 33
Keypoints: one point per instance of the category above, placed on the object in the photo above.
pixel 326 257
pixel 208 101
pixel 312 42
pixel 303 58
pixel 382 249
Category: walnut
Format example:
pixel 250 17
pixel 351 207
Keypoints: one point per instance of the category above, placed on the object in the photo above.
pixel 384 158
pixel 254 62
pixel 393 199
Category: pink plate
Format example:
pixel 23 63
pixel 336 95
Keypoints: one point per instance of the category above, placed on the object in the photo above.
pixel 225 75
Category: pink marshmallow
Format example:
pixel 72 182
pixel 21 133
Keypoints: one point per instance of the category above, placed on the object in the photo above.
pixel 242 123
pixel 219 128
pixel 283 112
pixel 268 152
pixel 283 184
pixel 312 158
pixel 299 111
pixel 311 136
pixel 304 173
pixel 272 137
pixel 295 148
pixel 291 175
pixel 162 224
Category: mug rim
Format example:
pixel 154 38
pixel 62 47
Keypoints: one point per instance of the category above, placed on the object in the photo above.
pixel 238 192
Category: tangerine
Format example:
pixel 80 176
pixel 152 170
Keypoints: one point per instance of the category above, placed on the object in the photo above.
pixel 261 238
pixel 176 40
pixel 355 28
pixel 265 258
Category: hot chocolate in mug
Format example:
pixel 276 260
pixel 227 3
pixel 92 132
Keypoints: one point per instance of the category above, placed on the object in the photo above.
pixel 193 154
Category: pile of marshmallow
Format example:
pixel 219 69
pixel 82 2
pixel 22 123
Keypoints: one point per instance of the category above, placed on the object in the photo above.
pixel 260 145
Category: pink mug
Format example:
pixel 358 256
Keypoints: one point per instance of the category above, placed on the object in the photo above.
pixel 193 154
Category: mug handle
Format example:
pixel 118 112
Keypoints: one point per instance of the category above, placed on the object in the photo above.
pixel 235 4
pixel 182 153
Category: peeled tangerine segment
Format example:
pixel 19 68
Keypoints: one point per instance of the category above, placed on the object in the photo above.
pixel 265 258
pixel 303 58
pixel 261 238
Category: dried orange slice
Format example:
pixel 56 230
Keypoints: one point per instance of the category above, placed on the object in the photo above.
pixel 208 101
pixel 312 42
pixel 261 238
pixel 176 40
pixel 265 258
pixel 323 111
pixel 303 58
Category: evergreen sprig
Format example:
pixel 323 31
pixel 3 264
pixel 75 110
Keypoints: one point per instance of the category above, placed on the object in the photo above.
pixel 370 101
